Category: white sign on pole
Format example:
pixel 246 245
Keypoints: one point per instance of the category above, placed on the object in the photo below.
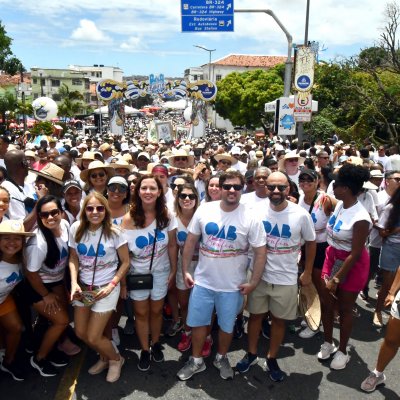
pixel 286 122
pixel 302 108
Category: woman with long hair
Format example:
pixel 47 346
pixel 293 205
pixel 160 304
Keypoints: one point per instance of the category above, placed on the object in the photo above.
pixel 389 261
pixel 99 260
pixel 213 191
pixel 186 203
pixel 151 233
pixel 12 243
pixel 346 266
pixel 46 260
pixel 320 206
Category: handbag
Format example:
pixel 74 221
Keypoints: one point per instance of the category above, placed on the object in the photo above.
pixel 88 296
pixel 142 281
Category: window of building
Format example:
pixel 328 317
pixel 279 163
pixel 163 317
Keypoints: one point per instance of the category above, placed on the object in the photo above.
pixel 92 73
pixel 34 81
pixel 87 85
pixel 195 77
pixel 77 82
pixel 35 96
pixel 98 74
pixel 56 97
pixel 55 82
pixel 218 77
pixel 201 77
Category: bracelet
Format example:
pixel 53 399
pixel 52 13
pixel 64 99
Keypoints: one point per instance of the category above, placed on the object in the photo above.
pixel 113 283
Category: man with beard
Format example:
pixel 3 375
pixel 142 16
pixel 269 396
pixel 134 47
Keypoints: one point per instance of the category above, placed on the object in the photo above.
pixel 288 226
pixel 226 230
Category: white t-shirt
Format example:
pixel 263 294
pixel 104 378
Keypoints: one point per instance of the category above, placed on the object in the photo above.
pixel 287 230
pixel 107 258
pixel 341 222
pixel 318 215
pixel 140 243
pixel 252 201
pixel 16 209
pixel 394 238
pixel 201 188
pixel 367 201
pixel 10 276
pixel 36 251
pixel 224 245
pixel 375 240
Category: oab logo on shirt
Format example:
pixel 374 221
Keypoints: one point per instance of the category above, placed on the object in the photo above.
pixel 143 241
pixel 332 221
pixel 283 232
pixel 227 233
pixel 91 251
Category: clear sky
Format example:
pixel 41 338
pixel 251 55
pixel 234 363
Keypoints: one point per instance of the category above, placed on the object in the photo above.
pixel 144 37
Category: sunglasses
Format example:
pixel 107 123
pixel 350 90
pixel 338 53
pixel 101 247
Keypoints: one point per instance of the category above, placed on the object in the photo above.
pixel 180 158
pixel 225 162
pixel 324 158
pixel 227 186
pixel 99 174
pixel 133 182
pixel 292 159
pixel 46 214
pixel 142 159
pixel 176 186
pixel 260 177
pixel 281 188
pixel 115 186
pixel 184 196
pixel 91 209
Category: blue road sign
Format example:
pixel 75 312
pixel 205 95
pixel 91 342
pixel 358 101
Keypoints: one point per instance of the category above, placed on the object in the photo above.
pixel 207 15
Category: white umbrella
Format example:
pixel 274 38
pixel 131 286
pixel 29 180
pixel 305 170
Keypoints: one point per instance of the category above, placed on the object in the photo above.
pixel 104 110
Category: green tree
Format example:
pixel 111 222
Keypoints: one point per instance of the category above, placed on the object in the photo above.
pixel 242 96
pixel 71 101
pixel 8 62
pixel 42 128
pixel 8 104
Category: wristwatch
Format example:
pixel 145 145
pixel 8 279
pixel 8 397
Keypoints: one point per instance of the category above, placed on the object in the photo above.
pixel 336 280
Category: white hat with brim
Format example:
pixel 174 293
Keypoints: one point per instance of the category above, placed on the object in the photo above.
pixel 369 186
pixel 14 227
pixel 310 306
pixel 87 155
pixel 110 171
pixel 180 153
pixel 122 164
pixel 291 154
pixel 51 172
pixel 30 153
pixel 227 157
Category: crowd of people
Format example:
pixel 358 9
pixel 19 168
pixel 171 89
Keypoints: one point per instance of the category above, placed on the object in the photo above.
pixel 212 227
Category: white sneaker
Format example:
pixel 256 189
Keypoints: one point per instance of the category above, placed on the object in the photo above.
pixel 115 336
pixel 340 360
pixel 327 349
pixel 308 333
pixel 303 323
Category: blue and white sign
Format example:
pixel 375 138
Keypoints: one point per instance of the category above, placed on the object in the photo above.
pixel 207 15
pixel 285 119
pixel 304 82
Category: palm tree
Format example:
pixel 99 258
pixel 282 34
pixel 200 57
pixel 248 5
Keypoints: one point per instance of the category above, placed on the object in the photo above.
pixel 8 103
pixel 71 104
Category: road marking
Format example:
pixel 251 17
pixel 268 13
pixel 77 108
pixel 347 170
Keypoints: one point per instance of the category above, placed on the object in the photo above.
pixel 69 380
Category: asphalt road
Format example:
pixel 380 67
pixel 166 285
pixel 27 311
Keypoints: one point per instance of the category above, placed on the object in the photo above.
pixel 307 378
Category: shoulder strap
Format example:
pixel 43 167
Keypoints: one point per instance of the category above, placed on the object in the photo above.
pixel 95 259
pixel 154 247
pixel 313 202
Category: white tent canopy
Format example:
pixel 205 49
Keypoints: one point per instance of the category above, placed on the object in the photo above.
pixel 128 110
pixel 176 105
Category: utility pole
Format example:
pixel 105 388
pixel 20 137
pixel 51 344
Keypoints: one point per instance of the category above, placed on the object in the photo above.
pixel 21 70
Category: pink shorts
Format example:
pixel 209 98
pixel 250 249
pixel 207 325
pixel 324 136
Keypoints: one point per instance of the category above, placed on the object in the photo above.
pixel 358 275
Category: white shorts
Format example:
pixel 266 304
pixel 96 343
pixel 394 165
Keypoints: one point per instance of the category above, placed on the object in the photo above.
pixel 159 291
pixel 180 283
pixel 108 303
pixel 395 307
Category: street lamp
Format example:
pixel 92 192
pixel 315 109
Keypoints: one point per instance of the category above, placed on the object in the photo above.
pixel 289 62
pixel 209 63
pixel 41 83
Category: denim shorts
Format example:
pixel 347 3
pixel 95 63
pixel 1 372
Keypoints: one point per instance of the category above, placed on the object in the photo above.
pixel 106 304
pixel 159 291
pixel 390 256
pixel 201 306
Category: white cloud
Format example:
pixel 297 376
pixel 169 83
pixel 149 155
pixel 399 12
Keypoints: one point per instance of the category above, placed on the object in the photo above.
pixel 132 43
pixel 88 32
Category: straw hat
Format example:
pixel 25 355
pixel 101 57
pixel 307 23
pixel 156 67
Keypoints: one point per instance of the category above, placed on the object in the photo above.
pixel 291 154
pixel 13 227
pixel 226 156
pixel 122 164
pixel 51 172
pixel 180 153
pixel 30 153
pixel 310 306
pixel 110 171
pixel 87 155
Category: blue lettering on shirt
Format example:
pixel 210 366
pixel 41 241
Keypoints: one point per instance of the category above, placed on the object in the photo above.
pixel 314 218
pixel 14 277
pixel 284 232
pixel 182 235
pixel 212 229
pixel 143 241
pixel 91 252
